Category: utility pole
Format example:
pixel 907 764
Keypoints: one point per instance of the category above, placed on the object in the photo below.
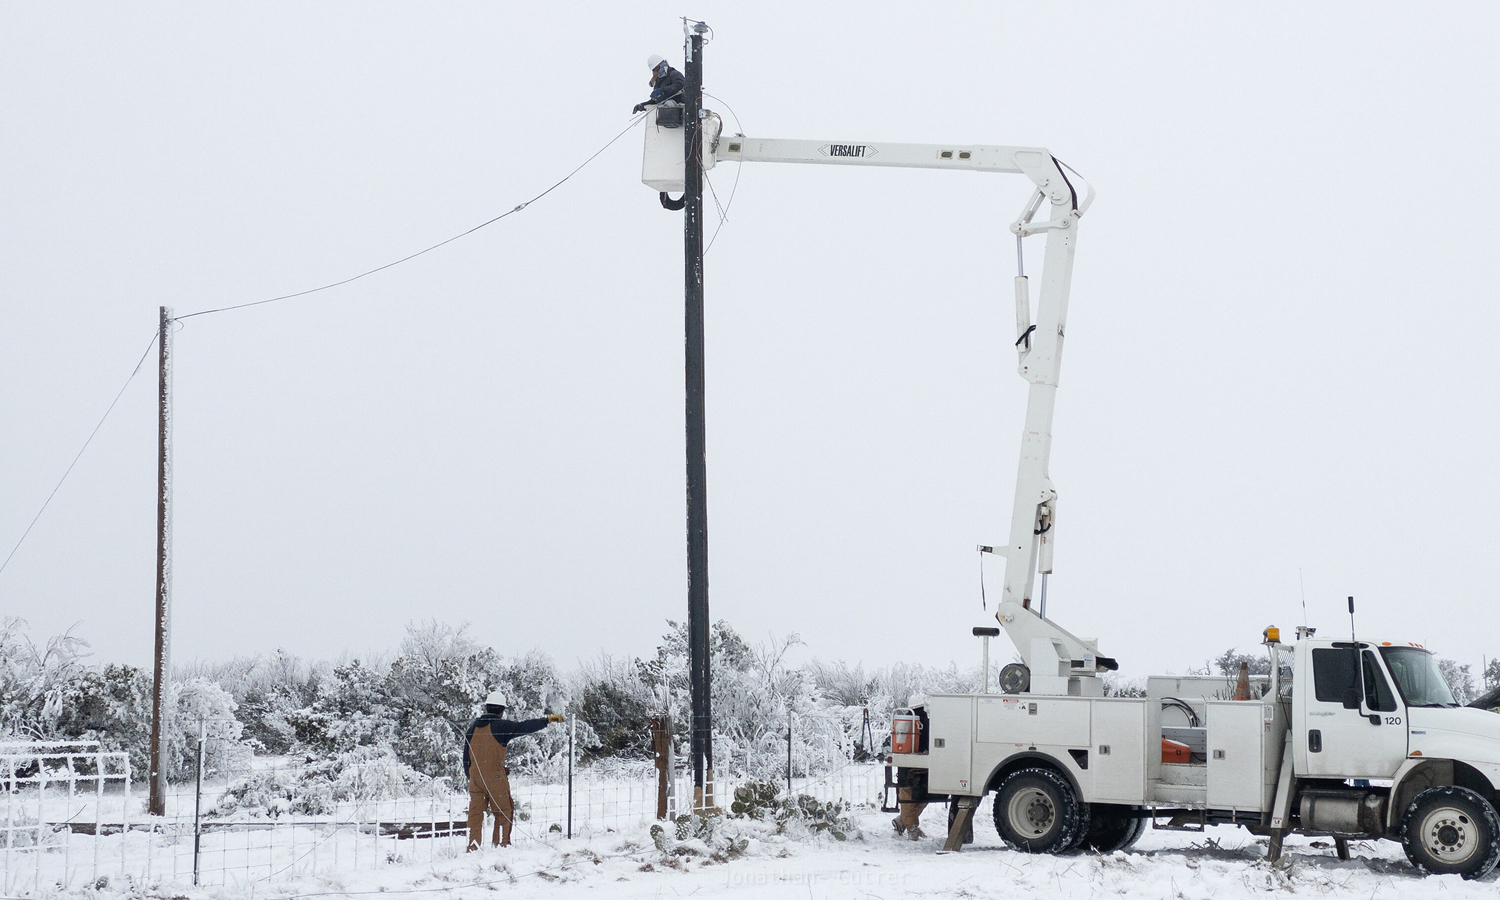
pixel 697 440
pixel 162 683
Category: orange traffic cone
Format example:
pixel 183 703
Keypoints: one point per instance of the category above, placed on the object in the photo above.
pixel 1242 687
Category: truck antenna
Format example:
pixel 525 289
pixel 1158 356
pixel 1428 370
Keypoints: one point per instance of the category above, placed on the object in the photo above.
pixel 1351 624
pixel 1303 588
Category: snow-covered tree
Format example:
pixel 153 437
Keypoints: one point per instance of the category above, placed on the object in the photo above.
pixel 35 682
pixel 1460 678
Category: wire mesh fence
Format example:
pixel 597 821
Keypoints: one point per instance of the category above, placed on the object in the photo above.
pixel 61 800
pixel 74 816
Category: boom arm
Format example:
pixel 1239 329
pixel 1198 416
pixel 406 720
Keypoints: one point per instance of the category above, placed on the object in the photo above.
pixel 1038 344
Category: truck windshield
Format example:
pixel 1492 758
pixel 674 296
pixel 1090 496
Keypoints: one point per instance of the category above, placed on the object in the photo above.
pixel 1418 677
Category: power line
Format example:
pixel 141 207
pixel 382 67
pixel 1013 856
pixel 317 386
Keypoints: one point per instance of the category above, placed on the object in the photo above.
pixel 633 122
pixel 79 454
pixel 739 167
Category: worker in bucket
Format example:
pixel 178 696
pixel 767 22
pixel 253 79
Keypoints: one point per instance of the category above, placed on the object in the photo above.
pixel 667 85
pixel 485 745
pixel 911 784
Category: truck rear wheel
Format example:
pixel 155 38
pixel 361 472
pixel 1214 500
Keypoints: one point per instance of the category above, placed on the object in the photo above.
pixel 1037 811
pixel 1451 831
pixel 1112 828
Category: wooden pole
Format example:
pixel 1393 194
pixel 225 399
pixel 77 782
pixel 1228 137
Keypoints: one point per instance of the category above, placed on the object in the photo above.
pixel 162 673
pixel 701 734
pixel 661 749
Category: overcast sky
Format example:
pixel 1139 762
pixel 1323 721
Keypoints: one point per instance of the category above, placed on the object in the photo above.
pixel 1280 369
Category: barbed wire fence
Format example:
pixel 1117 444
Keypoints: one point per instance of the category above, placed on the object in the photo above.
pixel 74 814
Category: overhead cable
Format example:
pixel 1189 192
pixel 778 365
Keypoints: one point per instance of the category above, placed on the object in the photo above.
pixel 633 122
pixel 739 166
pixel 79 454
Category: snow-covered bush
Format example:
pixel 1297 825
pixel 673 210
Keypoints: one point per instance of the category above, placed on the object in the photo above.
pixel 617 704
pixel 200 703
pixel 314 786
pixel 276 793
pixel 113 706
pixel 49 693
pixel 374 773
pixel 35 682
pixel 275 694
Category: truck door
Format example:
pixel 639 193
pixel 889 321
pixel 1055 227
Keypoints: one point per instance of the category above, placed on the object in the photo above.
pixel 1337 739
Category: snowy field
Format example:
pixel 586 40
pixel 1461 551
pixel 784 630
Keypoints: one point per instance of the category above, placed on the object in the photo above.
pixel 1224 863
pixel 619 851
pixel 748 859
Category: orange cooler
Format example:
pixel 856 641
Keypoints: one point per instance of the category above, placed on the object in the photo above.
pixel 906 729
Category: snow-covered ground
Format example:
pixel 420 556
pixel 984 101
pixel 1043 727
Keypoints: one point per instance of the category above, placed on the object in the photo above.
pixel 1221 864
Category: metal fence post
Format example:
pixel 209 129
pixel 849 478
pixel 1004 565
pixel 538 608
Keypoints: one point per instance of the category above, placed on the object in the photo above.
pixel 198 800
pixel 572 730
pixel 788 751
pixel 41 819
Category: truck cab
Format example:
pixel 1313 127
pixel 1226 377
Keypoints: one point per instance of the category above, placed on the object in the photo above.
pixel 1352 716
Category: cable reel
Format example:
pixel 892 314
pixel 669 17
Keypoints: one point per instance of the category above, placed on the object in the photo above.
pixel 1015 678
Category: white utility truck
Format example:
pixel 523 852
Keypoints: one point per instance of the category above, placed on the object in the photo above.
pixel 1349 739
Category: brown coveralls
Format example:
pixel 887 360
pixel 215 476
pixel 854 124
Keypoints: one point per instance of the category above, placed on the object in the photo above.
pixel 489 781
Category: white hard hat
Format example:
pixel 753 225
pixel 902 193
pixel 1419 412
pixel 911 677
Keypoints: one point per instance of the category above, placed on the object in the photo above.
pixel 917 699
pixel 496 698
pixel 653 60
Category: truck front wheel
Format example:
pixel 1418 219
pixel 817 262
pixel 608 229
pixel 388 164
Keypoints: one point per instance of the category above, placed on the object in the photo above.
pixel 1451 831
pixel 1037 811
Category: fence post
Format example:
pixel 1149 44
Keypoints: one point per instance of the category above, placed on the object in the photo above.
pixel 198 800
pixel 572 730
pixel 789 751
pixel 125 822
pixel 41 818
pixel 661 749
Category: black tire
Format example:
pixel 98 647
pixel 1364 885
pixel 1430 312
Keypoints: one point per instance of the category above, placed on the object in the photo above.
pixel 1112 828
pixel 1451 831
pixel 1085 821
pixel 1037 811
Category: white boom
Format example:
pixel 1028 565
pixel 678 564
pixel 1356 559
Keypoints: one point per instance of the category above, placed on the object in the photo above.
pixel 1053 655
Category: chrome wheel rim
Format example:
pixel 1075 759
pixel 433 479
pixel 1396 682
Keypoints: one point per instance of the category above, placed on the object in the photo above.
pixel 1031 812
pixel 1450 835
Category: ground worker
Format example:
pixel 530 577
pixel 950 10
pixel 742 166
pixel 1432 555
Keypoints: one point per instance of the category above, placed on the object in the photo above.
pixel 667 85
pixel 485 745
pixel 911 784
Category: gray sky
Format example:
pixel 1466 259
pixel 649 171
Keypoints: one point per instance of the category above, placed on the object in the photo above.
pixel 1280 349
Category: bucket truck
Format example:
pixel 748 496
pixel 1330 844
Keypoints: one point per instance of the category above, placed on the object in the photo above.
pixel 1348 739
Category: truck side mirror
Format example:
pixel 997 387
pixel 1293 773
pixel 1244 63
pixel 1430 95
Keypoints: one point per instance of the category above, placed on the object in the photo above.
pixel 1351 698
